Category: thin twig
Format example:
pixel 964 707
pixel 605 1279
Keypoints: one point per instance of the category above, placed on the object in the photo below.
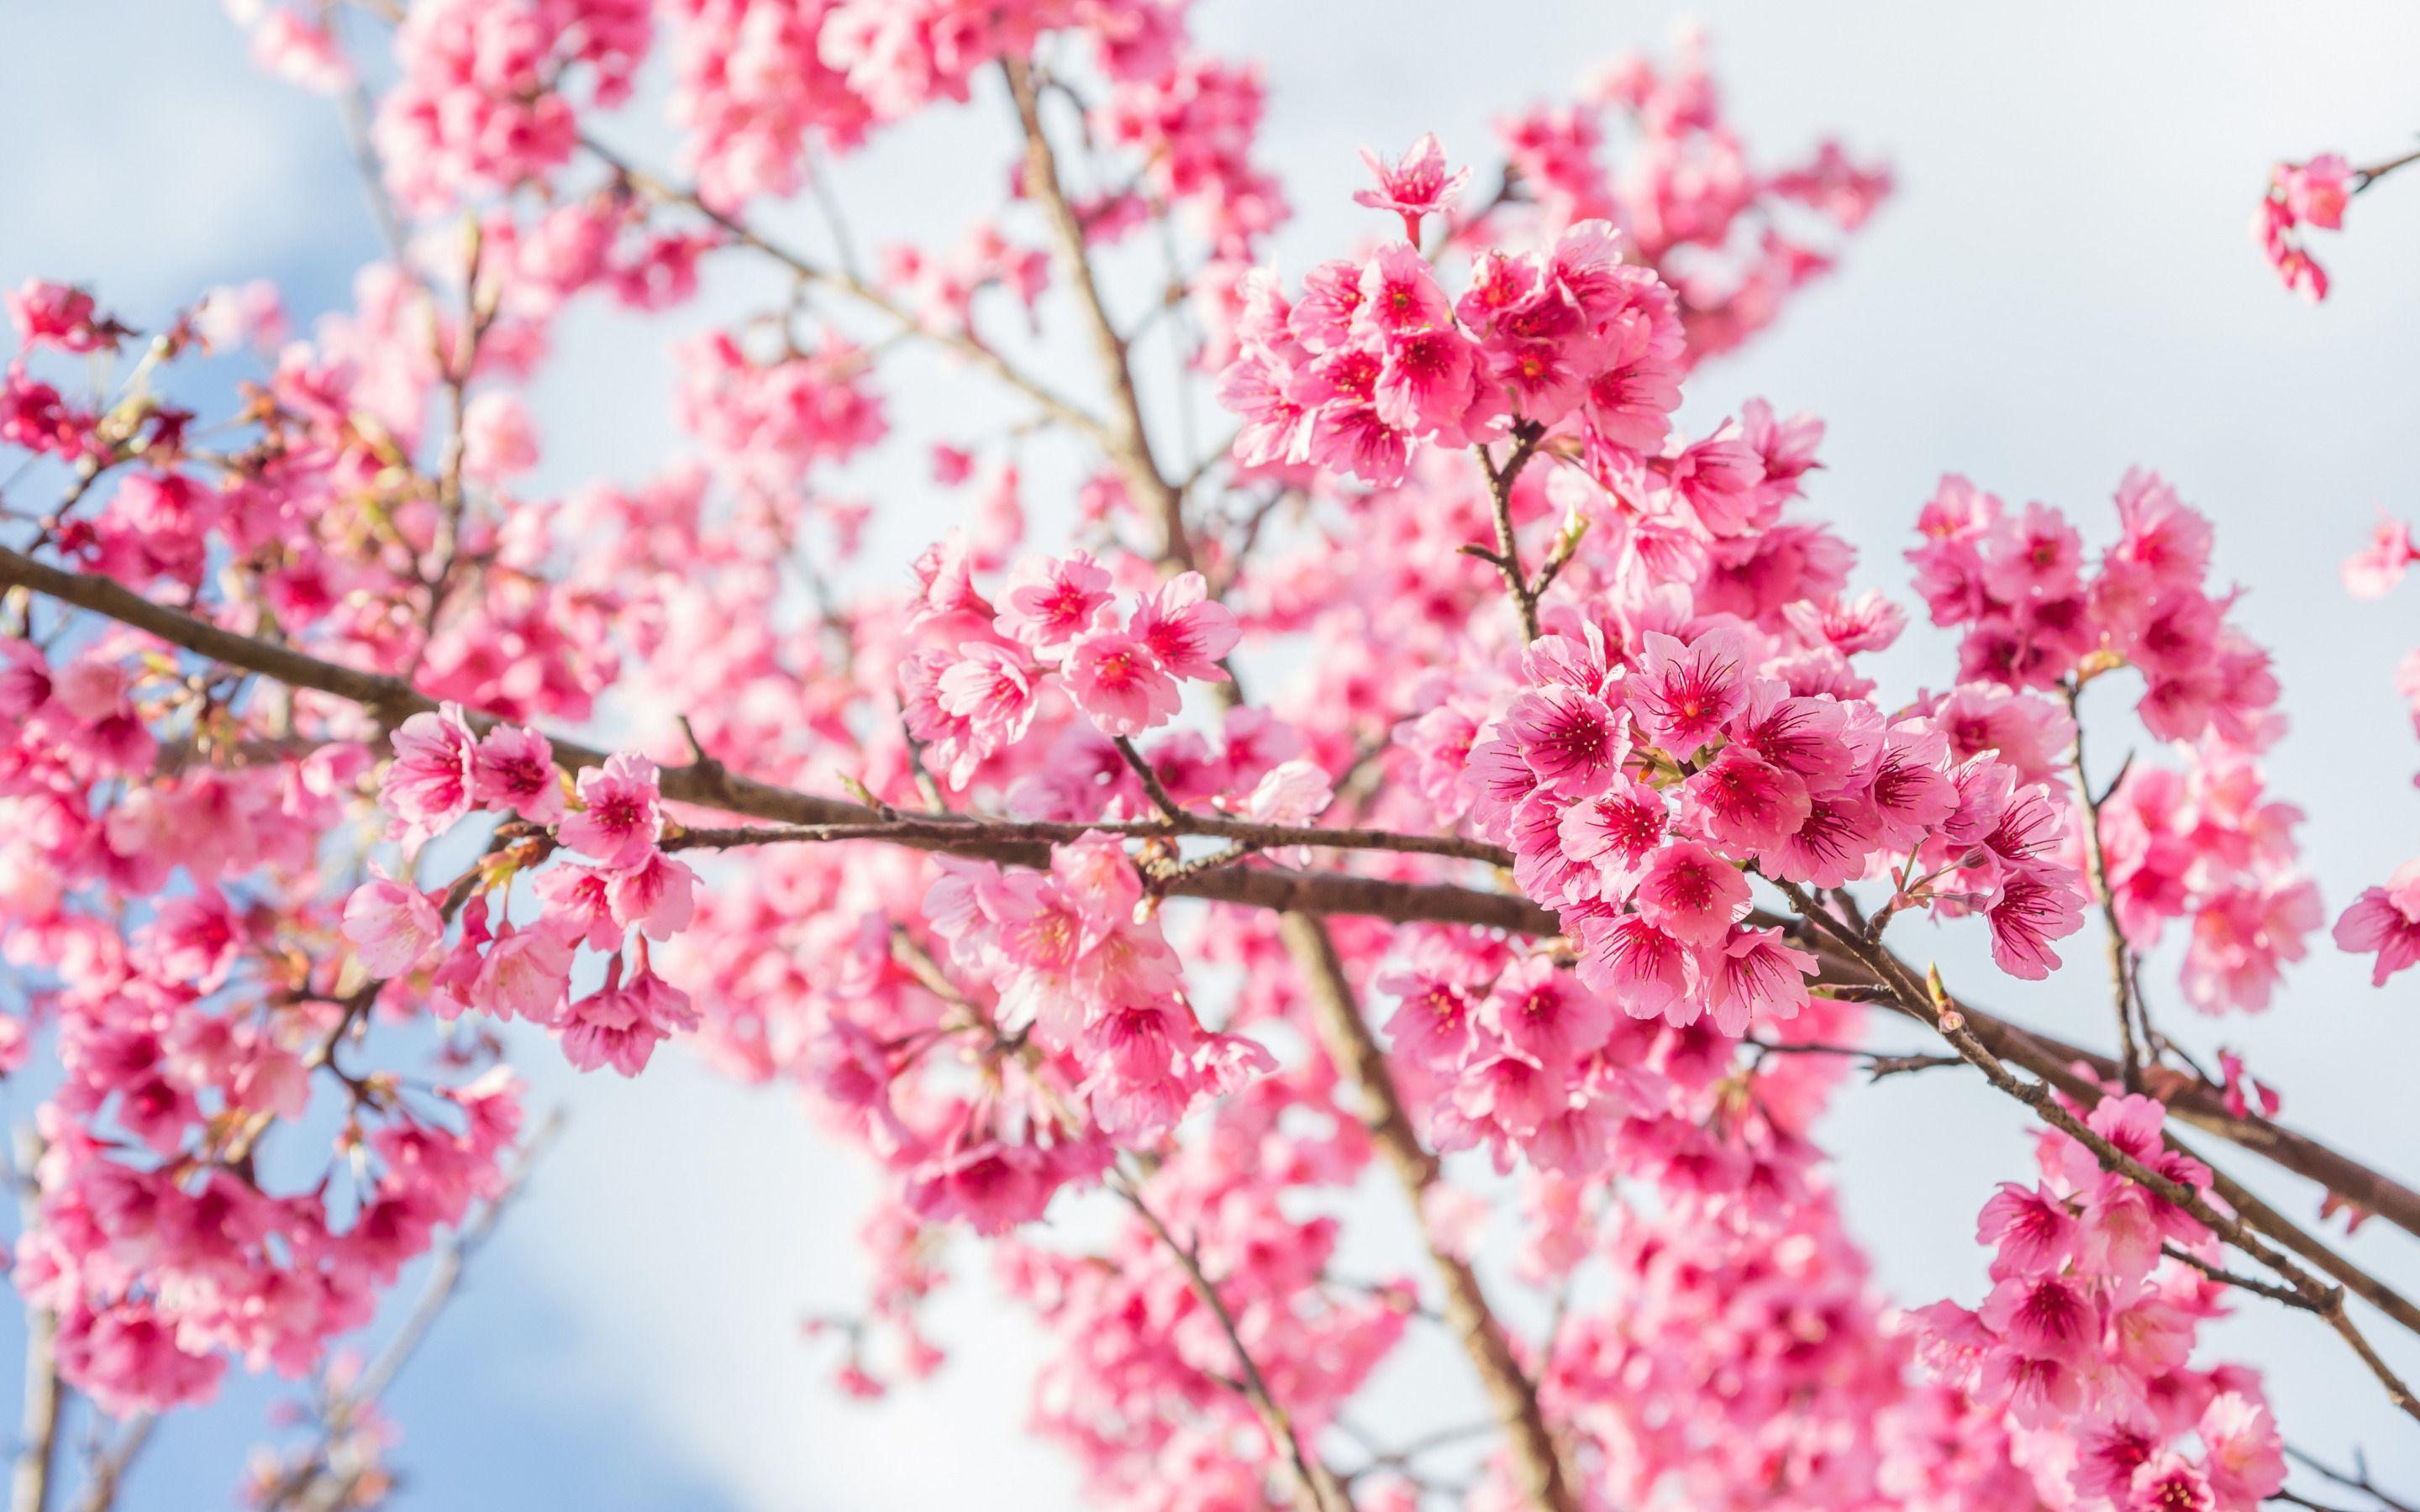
pixel 965 343
pixel 1128 440
pixel 1317 1488
pixel 2358 1481
pixel 2130 1059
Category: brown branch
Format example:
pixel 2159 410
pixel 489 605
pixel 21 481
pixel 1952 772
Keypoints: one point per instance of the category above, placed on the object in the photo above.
pixel 1933 1005
pixel 1336 1017
pixel 1505 558
pixel 2363 177
pixel 392 699
pixel 2198 1104
pixel 107 1473
pixel 956 832
pixel 1126 440
pixel 37 1430
pixel 2287 1296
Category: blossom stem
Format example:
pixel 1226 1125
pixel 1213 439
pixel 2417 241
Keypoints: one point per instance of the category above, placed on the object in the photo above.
pixel 2363 177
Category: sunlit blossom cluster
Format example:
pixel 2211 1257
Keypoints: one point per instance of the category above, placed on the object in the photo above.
pixel 1435 772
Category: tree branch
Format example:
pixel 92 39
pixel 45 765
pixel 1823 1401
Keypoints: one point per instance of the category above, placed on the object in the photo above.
pixel 1934 1006
pixel 1336 1017
pixel 38 1430
pixel 109 1465
pixel 1126 440
pixel 708 785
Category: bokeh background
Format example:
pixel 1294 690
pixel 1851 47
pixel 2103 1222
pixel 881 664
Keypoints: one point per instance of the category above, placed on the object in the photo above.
pixel 2062 288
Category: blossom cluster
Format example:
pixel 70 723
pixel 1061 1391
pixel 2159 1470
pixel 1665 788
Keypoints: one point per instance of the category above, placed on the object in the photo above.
pixel 2302 194
pixel 481 105
pixel 2383 922
pixel 442 773
pixel 1077 959
pixel 2033 610
pixel 1060 629
pixel 2209 844
pixel 1518 649
pixel 1373 357
pixel 1734 241
pixel 2085 1338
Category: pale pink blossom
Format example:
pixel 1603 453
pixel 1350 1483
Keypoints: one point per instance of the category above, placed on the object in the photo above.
pixel 1113 677
pixel 1048 602
pixel 2373 571
pixel 523 975
pixel 393 926
pixel 2384 923
pixel 1185 630
pixel 512 767
pixel 499 440
pixel 428 784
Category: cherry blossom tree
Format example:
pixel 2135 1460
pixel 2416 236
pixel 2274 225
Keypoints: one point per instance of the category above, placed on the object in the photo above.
pixel 1446 775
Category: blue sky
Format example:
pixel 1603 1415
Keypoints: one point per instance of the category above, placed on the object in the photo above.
pixel 2064 287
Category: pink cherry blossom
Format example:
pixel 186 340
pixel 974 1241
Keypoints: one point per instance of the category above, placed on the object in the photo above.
pixel 1115 678
pixel 619 816
pixel 2384 923
pixel 512 767
pixel 1049 603
pixel 428 784
pixel 1685 693
pixel 1185 631
pixel 1415 185
pixel 1691 894
pixel 393 926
